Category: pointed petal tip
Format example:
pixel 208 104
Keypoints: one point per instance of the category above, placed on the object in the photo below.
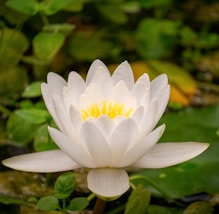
pixel 203 146
pixel 169 154
pixel 42 162
pixel 51 75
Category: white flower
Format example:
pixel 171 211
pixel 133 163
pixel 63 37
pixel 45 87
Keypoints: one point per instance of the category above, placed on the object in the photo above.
pixel 106 123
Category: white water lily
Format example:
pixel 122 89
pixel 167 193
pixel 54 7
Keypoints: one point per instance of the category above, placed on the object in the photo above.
pixel 106 124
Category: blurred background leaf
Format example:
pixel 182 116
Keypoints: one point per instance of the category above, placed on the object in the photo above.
pixel 179 38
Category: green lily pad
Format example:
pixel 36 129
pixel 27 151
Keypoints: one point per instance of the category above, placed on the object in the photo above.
pixel 199 174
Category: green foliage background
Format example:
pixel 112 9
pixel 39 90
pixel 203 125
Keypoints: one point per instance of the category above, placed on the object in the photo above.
pixel 179 38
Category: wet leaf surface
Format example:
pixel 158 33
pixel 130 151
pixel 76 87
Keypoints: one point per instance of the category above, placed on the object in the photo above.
pixel 199 174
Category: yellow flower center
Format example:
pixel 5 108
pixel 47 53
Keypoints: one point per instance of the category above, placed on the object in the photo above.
pixel 110 109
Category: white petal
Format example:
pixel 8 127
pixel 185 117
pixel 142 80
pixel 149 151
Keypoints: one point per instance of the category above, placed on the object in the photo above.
pixel 84 102
pixel 138 114
pixel 94 93
pixel 108 182
pixel 148 120
pixel 141 89
pixel 157 84
pixel 56 83
pixel 64 117
pixel 75 117
pixel 72 148
pixel 75 88
pixel 123 136
pixel 96 65
pixel 169 154
pixel 97 144
pixel 76 83
pixel 138 150
pixel 48 161
pixel 121 94
pixel 48 99
pixel 103 80
pixel 124 72
pixel 105 124
pixel 163 98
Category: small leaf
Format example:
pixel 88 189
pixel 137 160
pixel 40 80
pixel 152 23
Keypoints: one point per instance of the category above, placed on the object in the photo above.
pixel 13 44
pixel 75 6
pixel 33 90
pixel 12 83
pixel 155 3
pixel 42 140
pixel 20 131
pixel 77 204
pixel 95 46
pixel 113 10
pixel 53 6
pixel 199 207
pixel 64 28
pixel 46 45
pixel 156 38
pixel 64 185
pixel 9 200
pixel 28 7
pixel 48 203
pixel 34 115
pixel 138 201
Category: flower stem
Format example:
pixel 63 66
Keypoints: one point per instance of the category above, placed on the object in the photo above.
pixel 99 206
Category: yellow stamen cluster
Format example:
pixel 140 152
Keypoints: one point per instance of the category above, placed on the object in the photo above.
pixel 110 109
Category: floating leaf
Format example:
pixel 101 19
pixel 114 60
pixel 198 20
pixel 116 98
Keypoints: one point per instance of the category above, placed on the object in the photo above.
pixel 156 209
pixel 138 201
pixel 199 174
